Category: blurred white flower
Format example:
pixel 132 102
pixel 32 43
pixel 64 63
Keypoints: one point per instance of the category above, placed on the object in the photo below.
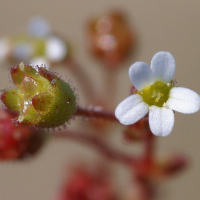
pixel 39 46
pixel 56 49
pixel 156 95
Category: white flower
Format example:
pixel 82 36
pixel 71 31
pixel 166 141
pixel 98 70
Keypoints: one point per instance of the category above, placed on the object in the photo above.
pixel 156 95
pixel 56 49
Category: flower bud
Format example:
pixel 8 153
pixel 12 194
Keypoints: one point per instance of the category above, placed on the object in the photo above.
pixel 17 141
pixel 110 38
pixel 41 98
pixel 87 185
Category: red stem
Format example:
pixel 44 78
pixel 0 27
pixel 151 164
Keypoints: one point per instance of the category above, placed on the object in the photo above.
pixel 147 159
pixel 99 144
pixel 149 148
pixel 96 112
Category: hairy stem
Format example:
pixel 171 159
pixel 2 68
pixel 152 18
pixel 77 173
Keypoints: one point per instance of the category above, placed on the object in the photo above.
pixel 96 112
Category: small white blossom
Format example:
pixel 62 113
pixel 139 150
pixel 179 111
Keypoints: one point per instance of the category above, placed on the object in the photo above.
pixel 56 49
pixel 156 95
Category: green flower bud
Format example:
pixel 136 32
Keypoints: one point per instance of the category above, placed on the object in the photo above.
pixel 41 98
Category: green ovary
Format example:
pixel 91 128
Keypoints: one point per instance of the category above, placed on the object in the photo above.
pixel 156 94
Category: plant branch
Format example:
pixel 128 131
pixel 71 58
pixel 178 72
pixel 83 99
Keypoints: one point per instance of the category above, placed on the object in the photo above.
pixel 96 112
pixel 99 144
pixel 149 148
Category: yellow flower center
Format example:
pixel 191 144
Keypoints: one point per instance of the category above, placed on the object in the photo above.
pixel 156 94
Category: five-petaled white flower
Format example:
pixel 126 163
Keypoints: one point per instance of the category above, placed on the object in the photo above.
pixel 156 95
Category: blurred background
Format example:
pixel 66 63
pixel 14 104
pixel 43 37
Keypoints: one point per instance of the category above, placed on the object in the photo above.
pixel 160 26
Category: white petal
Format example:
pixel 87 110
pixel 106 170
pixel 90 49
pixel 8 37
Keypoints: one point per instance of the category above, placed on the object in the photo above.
pixel 161 120
pixel 163 66
pixel 22 51
pixel 56 49
pixel 183 100
pixel 131 109
pixel 38 27
pixel 141 75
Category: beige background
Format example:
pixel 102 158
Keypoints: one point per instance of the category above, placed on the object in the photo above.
pixel 162 25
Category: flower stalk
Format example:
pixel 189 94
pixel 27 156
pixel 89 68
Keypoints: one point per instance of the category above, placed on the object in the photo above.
pixel 95 112
pixel 99 144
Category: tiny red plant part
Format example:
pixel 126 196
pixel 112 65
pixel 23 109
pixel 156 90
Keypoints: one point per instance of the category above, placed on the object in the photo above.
pixel 110 38
pixel 85 185
pixel 17 141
